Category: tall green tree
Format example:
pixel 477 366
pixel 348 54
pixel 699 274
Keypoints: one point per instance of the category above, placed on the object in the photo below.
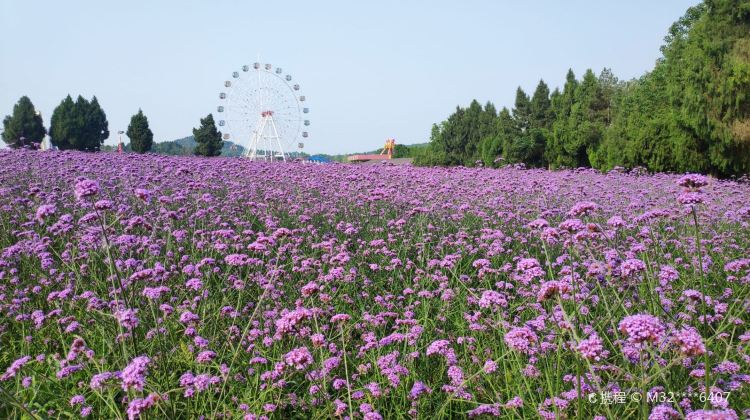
pixel 97 126
pixel 526 143
pixel 581 120
pixel 208 138
pixel 562 105
pixel 24 126
pixel 587 121
pixel 498 144
pixel 141 137
pixel 541 115
pixel 457 140
pixel 522 110
pixel 532 149
pixel 66 125
pixel 708 58
pixel 79 125
pixel 692 112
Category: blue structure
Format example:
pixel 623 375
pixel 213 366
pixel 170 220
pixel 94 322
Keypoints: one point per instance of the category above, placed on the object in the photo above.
pixel 319 159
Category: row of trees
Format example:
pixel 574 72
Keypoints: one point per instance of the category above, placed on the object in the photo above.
pixel 691 113
pixel 82 125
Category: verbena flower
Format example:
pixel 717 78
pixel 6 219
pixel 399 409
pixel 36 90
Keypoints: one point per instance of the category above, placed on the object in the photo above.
pixel 689 342
pixel 86 188
pixel 521 339
pixel 134 374
pixel 642 328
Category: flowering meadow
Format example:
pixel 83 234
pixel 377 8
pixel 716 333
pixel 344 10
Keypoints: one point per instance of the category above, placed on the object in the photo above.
pixel 144 286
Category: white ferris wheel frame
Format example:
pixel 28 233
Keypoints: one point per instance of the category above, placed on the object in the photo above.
pixel 272 130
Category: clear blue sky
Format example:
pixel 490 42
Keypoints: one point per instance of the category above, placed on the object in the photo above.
pixel 370 70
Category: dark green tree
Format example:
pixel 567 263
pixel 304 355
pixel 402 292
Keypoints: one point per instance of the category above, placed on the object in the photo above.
pixel 208 138
pixel 522 110
pixel 401 151
pixel 79 125
pixel 457 140
pixel 707 57
pixel 97 126
pixel 141 137
pixel 581 119
pixel 562 105
pixel 691 113
pixel 24 126
pixel 587 121
pixel 498 144
pixel 526 143
pixel 65 125
pixel 541 115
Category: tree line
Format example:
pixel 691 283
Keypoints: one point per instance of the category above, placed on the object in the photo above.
pixel 82 125
pixel 691 113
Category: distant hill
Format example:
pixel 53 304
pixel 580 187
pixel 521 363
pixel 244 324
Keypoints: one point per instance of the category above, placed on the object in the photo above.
pixel 183 147
pixel 402 151
pixel 186 145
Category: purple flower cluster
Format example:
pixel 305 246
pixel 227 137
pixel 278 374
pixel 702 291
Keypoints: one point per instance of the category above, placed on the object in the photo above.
pixel 689 342
pixel 521 339
pixel 134 374
pixel 592 348
pixel 14 368
pixel 642 328
pixel 138 405
pixel 299 358
pixel 86 188
pixel 146 285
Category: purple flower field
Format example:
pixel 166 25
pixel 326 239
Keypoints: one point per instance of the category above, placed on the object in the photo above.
pixel 137 286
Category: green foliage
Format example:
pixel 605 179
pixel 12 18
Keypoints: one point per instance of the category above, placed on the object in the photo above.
pixel 542 115
pixel 495 147
pixel 208 138
pixel 401 151
pixel 522 110
pixel 141 137
pixel 582 116
pixel 457 141
pixel 79 125
pixel 711 74
pixel 691 113
pixel 173 148
pixel 24 126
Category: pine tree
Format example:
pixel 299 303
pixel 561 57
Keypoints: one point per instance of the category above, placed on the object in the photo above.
pixel 65 125
pixel 497 144
pixel 562 107
pixel 208 138
pixel 709 80
pixel 585 122
pixel 692 112
pixel 541 107
pixel 97 126
pixel 522 110
pixel 25 126
pixel 79 125
pixel 140 135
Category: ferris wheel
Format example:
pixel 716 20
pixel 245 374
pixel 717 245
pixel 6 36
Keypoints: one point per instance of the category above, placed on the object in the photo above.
pixel 261 109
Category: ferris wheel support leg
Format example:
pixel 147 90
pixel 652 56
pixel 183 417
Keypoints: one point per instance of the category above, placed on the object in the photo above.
pixel 278 139
pixel 256 139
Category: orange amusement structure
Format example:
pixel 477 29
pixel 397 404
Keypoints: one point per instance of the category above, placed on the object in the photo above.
pixel 386 153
